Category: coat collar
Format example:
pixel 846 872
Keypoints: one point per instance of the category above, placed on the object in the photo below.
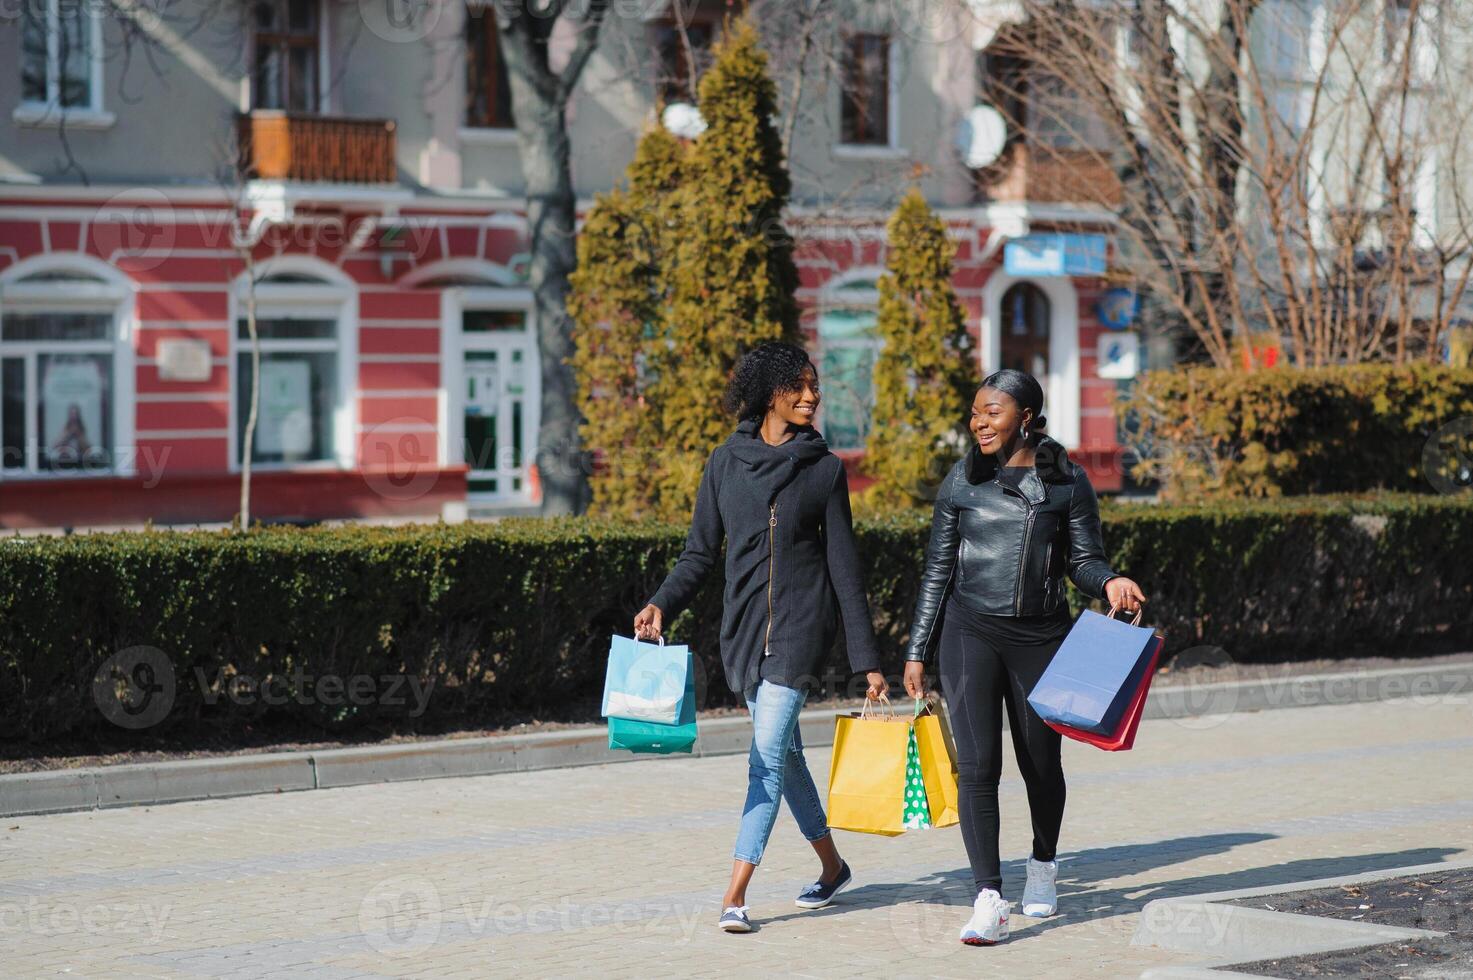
pixel 1051 465
pixel 771 468
pixel 746 444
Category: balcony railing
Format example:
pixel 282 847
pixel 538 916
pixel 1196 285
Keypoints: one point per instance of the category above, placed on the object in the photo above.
pixel 1052 176
pixel 291 146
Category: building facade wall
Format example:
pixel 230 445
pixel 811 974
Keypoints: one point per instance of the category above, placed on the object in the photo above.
pixel 404 270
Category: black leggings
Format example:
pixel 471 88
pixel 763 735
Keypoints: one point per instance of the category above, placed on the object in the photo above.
pixel 978 673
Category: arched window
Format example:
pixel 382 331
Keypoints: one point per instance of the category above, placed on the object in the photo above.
pixel 847 349
pixel 304 412
pixel 1024 333
pixel 62 353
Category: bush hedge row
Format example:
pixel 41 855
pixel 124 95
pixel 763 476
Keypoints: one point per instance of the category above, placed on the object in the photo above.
pixel 513 618
pixel 1204 433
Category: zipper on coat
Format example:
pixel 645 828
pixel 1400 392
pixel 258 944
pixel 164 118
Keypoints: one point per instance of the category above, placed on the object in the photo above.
pixel 1048 578
pixel 771 559
pixel 1023 563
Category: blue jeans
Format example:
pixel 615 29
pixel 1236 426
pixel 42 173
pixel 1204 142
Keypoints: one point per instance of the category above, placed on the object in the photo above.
pixel 776 769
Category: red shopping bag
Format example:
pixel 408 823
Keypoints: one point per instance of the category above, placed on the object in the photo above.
pixel 1124 737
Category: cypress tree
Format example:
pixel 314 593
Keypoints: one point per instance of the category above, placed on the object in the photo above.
pixel 617 305
pixel 925 372
pixel 733 279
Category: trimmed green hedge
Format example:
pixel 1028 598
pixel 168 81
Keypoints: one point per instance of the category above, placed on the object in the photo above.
pixel 512 619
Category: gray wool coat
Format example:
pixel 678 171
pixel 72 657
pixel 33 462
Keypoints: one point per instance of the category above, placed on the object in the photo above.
pixel 792 568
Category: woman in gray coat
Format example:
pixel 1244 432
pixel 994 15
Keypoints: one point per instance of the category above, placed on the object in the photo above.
pixel 781 500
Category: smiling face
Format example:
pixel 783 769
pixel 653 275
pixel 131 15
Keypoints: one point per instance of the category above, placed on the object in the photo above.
pixel 996 419
pixel 799 406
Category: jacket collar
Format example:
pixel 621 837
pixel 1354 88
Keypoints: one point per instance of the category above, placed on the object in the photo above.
pixel 747 445
pixel 770 468
pixel 1051 465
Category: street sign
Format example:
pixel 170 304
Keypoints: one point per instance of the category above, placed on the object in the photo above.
pixel 1118 355
pixel 1056 254
pixel 183 359
pixel 1118 308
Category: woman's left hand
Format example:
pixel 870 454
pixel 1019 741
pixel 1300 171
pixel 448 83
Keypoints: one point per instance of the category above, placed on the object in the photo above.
pixel 1124 594
pixel 878 686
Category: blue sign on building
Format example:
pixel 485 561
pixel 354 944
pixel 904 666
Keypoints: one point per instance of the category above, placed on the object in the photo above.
pixel 1118 308
pixel 1056 254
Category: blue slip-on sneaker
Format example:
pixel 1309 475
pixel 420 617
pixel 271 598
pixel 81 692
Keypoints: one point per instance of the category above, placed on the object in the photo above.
pixel 734 919
pixel 817 895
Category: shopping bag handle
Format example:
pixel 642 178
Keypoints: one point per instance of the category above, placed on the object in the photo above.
pixel 924 704
pixel 1134 622
pixel 865 710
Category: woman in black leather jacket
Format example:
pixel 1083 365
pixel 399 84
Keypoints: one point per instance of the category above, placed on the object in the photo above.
pixel 1010 519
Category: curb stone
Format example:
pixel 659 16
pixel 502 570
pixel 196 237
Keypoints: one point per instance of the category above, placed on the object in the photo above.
pixel 149 783
pixel 1232 934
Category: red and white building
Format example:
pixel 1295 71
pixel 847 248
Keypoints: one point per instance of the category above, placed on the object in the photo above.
pixel 399 367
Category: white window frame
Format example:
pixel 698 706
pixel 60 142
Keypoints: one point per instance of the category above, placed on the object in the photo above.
pixel 336 296
pixel 99 288
pixel 455 302
pixel 1425 183
pixel 51 112
pixel 325 106
pixel 839 295
pixel 1426 47
pixel 891 150
pixel 478 135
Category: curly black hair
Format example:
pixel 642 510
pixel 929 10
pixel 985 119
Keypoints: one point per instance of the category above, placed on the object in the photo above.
pixel 763 372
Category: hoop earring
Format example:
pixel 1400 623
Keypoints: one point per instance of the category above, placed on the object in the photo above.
pixel 1025 431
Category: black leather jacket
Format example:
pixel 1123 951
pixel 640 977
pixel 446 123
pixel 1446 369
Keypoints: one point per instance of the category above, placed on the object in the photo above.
pixel 1003 547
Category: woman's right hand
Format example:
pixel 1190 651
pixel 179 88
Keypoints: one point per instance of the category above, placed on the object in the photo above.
pixel 648 622
pixel 915 678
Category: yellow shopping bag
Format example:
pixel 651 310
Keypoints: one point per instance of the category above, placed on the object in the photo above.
pixel 938 765
pixel 867 773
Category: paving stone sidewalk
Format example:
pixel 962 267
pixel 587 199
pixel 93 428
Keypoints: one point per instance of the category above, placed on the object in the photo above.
pixel 617 870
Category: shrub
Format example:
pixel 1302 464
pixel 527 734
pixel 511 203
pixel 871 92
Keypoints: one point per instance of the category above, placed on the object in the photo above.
pixel 1205 433
pixel 514 618
pixel 924 374
pixel 678 277
pixel 616 303
pixel 733 281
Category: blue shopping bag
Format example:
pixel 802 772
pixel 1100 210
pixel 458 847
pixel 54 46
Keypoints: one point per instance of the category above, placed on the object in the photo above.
pixel 646 681
pixel 653 737
pixel 1095 673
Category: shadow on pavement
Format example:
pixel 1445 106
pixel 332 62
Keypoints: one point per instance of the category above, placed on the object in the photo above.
pixel 1079 872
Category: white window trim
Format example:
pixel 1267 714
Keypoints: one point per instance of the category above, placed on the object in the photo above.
pixel 51 113
pixel 1426 47
pixel 335 297
pixel 835 296
pixel 454 303
pixel 1425 183
pixel 891 148
pixel 1061 387
pixel 488 136
pixel 115 294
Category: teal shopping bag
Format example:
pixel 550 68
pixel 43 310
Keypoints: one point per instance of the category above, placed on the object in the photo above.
pixel 653 737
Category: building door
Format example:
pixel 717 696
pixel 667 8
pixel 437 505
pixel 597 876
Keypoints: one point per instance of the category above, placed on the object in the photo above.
pixel 1024 339
pixel 499 388
pixel 1033 325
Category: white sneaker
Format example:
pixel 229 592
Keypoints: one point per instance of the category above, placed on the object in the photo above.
pixel 1040 896
pixel 989 924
